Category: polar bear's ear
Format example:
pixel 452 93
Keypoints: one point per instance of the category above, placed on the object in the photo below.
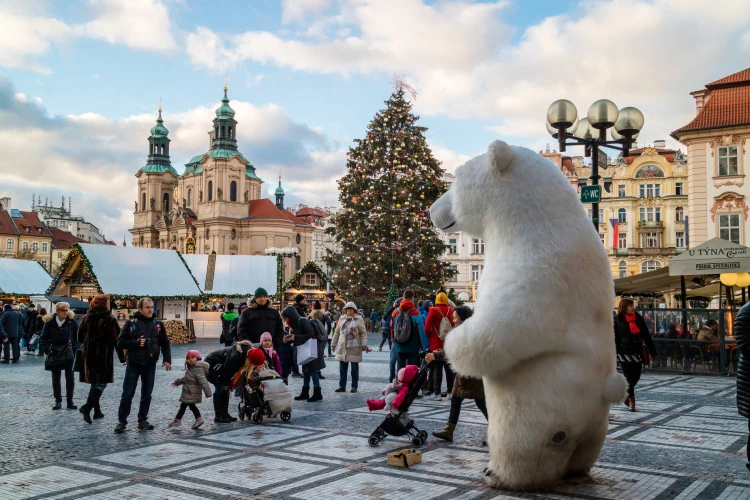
pixel 500 155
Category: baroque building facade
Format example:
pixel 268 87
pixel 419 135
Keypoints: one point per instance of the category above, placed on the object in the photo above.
pixel 643 211
pixel 216 204
pixel 718 155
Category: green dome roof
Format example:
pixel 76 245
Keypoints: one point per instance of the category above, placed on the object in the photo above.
pixel 159 130
pixel 225 110
pixel 279 190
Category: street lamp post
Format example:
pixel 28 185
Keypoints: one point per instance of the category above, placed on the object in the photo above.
pixel 280 254
pixel 591 132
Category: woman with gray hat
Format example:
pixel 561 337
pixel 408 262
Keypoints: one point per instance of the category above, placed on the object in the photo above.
pixel 349 341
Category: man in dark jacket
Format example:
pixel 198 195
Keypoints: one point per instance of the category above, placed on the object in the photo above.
pixel 223 365
pixel 143 337
pixel 259 318
pixel 11 325
pixel 30 326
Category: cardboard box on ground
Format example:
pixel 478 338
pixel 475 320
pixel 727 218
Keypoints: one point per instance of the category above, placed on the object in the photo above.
pixel 404 458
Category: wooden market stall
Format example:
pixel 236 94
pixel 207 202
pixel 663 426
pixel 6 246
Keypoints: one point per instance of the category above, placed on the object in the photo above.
pixel 314 284
pixel 127 274
pixel 22 279
pixel 228 278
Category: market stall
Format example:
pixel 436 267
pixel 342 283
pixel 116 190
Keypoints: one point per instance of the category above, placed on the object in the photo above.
pixel 224 279
pixel 314 284
pixel 21 279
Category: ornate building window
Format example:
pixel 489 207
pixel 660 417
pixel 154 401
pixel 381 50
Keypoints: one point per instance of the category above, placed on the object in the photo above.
pixel 165 202
pixel 679 214
pixel 621 190
pixel 476 272
pixel 234 234
pixel 728 164
pixel 622 240
pixel 649 190
pixel 622 215
pixel 35 246
pixel 10 244
pixel 452 247
pixel 454 271
pixel 678 189
pixel 729 227
pixel 210 190
pixel 651 239
pixel 190 197
pixel 233 191
pixel 649 214
pixel 622 268
pixel 650 265
pixel 679 239
pixel 477 246
pixel 143 202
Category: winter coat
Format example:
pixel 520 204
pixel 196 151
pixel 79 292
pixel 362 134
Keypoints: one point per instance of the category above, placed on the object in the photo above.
pixel 627 345
pixel 414 343
pixel 226 362
pixel 12 324
pixel 255 320
pixel 58 336
pixel 355 326
pixel 30 325
pixel 272 358
pixel 226 322
pixel 156 340
pixel 706 333
pixel 303 331
pixel 194 383
pixel 432 325
pixel 97 334
pixel 463 386
pixel 742 334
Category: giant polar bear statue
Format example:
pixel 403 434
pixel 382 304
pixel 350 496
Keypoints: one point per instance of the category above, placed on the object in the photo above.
pixel 541 335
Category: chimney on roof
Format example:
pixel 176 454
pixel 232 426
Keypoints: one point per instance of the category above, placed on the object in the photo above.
pixel 661 143
pixel 33 201
pixel 5 203
pixel 701 97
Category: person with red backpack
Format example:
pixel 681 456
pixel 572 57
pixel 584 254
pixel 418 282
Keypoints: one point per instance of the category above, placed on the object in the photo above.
pixel 405 331
pixel 437 326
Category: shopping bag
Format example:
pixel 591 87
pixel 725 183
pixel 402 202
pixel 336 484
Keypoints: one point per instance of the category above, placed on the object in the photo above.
pixel 23 342
pixel 307 352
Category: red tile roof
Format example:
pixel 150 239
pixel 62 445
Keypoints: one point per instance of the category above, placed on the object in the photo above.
pixel 310 211
pixel 266 209
pixel 63 239
pixel 30 224
pixel 727 105
pixel 6 224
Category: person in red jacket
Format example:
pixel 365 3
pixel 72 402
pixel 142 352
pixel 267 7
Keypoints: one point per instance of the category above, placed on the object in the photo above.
pixel 432 329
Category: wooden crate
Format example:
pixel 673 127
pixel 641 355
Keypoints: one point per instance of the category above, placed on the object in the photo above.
pixel 404 458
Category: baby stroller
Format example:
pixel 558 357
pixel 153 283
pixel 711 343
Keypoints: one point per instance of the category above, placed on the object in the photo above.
pixel 265 395
pixel 401 424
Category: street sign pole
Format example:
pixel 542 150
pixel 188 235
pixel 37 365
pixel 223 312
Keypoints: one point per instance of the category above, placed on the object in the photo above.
pixel 595 182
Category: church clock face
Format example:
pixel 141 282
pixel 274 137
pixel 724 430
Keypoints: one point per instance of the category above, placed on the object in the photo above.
pixel 176 194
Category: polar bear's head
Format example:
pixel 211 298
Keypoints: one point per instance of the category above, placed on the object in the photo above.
pixel 507 187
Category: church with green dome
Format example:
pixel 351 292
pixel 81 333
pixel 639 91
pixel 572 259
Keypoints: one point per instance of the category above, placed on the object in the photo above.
pixel 216 204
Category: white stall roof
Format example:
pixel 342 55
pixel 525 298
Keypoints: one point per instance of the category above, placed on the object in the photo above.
pixel 23 277
pixel 135 272
pixel 235 275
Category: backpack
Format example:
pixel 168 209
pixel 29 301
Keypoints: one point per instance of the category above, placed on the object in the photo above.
pixel 320 331
pixel 445 326
pixel 402 326
pixel 233 330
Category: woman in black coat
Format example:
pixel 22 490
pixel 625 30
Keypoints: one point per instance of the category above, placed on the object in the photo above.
pixel 58 341
pixel 98 335
pixel 742 334
pixel 631 333
pixel 302 331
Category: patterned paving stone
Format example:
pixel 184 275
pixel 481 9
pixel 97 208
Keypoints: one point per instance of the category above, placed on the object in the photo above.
pixel 163 455
pixel 258 473
pixel 44 482
pixel 374 486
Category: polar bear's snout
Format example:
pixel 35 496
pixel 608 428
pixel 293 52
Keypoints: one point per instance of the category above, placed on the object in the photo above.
pixel 441 212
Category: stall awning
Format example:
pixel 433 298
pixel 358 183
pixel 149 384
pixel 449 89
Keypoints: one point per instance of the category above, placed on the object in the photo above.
pixel 233 275
pixel 22 278
pixel 652 282
pixel 712 257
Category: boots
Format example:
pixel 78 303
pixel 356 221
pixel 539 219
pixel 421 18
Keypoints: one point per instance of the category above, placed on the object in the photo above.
pixel 86 412
pixel 226 410
pixel 317 395
pixel 97 410
pixel 631 401
pixel 305 394
pixel 447 433
pixel 219 417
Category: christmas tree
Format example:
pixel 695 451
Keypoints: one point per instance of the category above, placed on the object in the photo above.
pixel 384 230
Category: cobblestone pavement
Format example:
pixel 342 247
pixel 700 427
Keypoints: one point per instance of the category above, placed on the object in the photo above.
pixel 686 441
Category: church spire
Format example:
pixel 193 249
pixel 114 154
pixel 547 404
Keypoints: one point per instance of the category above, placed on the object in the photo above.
pixel 280 195
pixel 225 126
pixel 158 148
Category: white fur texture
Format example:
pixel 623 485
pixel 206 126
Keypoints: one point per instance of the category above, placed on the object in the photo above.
pixel 541 334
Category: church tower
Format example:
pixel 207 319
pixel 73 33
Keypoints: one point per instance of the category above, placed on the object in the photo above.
pixel 280 196
pixel 157 181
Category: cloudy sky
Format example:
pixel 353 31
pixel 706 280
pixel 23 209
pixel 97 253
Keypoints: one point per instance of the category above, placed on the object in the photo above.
pixel 80 80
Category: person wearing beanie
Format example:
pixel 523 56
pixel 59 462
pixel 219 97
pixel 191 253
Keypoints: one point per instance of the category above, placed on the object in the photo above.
pixel 29 331
pixel 300 303
pixel 301 331
pixel 193 383
pixel 226 322
pixel 317 305
pixel 272 358
pixel 437 326
pixel 260 317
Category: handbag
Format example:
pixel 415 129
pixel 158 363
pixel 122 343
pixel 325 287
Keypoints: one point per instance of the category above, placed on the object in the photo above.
pixel 645 356
pixel 307 352
pixel 60 355
pixel 78 360
pixel 34 340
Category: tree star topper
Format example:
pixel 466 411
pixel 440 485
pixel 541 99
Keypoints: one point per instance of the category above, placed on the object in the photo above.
pixel 399 83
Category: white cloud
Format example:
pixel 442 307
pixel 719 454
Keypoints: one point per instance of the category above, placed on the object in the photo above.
pixel 26 35
pixel 463 61
pixel 141 24
pixel 298 10
pixel 19 96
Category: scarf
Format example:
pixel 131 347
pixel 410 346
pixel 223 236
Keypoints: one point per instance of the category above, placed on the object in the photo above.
pixel 59 321
pixel 630 318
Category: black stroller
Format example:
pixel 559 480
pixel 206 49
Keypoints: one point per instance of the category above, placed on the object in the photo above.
pixel 401 424
pixel 254 404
